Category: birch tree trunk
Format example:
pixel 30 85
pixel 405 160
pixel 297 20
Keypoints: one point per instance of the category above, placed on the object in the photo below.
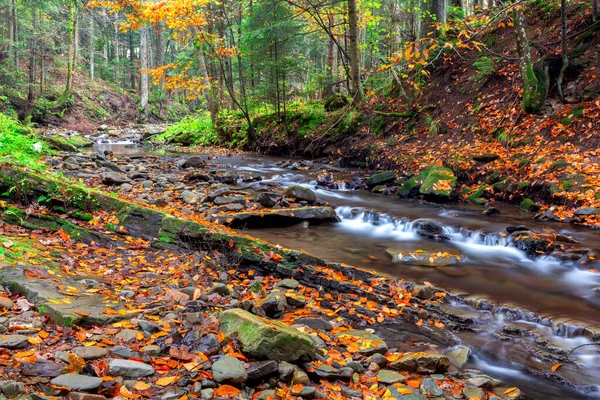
pixel 70 41
pixel 91 48
pixel 144 75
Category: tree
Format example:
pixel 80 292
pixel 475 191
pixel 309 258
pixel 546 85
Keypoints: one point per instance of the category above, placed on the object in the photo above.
pixel 354 51
pixel 71 48
pixel 144 95
pixel 564 50
pixel 532 93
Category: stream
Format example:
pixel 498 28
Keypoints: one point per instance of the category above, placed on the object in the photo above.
pixel 490 267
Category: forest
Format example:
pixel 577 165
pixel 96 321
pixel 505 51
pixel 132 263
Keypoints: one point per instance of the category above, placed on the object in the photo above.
pixel 299 199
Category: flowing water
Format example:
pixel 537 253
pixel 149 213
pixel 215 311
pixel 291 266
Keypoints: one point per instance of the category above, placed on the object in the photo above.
pixel 490 266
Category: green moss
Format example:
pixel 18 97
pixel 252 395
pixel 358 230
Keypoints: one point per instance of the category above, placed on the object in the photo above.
pixel 529 205
pixel 408 186
pixel 478 193
pixel 432 183
pixel 559 164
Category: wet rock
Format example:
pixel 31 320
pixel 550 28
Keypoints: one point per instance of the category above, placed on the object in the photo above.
pixel 389 377
pixel 480 382
pixel 286 371
pixel 13 341
pixel 381 179
pixel 301 193
pixel 194 162
pixel 189 197
pixel 209 344
pixel 207 394
pixel 222 200
pixel 378 359
pixel 491 211
pixel 260 369
pixel 278 217
pixel 422 363
pixel 129 368
pixel 85 396
pixel 508 393
pixel 77 382
pixel 314 323
pixel 300 378
pixel 90 352
pixel 274 305
pixel 229 370
pixel 307 392
pixel 268 199
pixel 529 205
pixel 429 388
pixel 429 228
pixel 459 356
pixel 424 259
pixel 114 178
pixel 266 339
pixel 368 343
pixel 6 304
pixel 151 350
pixel 520 228
pixel 221 289
pixel 471 391
pixel 532 244
pixel 148 326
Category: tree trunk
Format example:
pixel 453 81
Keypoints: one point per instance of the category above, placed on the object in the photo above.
pixel 595 9
pixel 91 48
pixel 131 60
pixel 70 40
pixel 15 34
pixel 31 80
pixel 532 100
pixel 116 57
pixel 209 92
pixel 564 49
pixel 354 53
pixel 144 75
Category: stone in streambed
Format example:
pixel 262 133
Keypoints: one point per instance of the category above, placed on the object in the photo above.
pixel 129 368
pixel 268 199
pixel 422 363
pixel 77 382
pixel 90 352
pixel 114 178
pixel 266 339
pixel 388 377
pixel 13 341
pixel 229 370
pixel 459 356
pixel 301 193
pixel 189 197
pixel 380 179
pixel 368 343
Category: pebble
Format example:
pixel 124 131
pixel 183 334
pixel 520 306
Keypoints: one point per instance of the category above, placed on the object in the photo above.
pixel 77 382
pixel 129 368
pixel 229 369
pixel 90 352
pixel 13 341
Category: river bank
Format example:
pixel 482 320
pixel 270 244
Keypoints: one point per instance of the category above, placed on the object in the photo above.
pixel 444 325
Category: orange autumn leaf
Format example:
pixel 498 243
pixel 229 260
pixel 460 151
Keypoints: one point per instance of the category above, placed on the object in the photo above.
pixel 167 380
pixel 227 391
pixel 556 366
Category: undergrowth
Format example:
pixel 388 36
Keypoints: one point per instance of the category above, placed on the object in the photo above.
pixel 18 145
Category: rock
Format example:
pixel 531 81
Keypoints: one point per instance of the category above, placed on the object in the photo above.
pixel 224 191
pixel 223 200
pixel 85 396
pixel 422 363
pixel 520 228
pixel 114 178
pixel 587 211
pixel 388 377
pixel 127 335
pixel 274 305
pixel 300 378
pixel 529 205
pixel 260 369
pixel 151 350
pixel 307 392
pixel 288 284
pixel 268 199
pixel 429 388
pixel 532 244
pixel 11 388
pixel 491 211
pixel 437 182
pixel 127 353
pixel 129 368
pixel 229 370
pixel 471 391
pixel 176 296
pixel 6 303
pixel 209 344
pixel 368 343
pixel 13 341
pixel 335 102
pixel 278 217
pixel 47 369
pixel 486 158
pixel 194 162
pixel 380 179
pixel 301 193
pixel 77 382
pixel 286 371
pixel 480 382
pixel 148 326
pixel 90 352
pixel 424 259
pixel 263 339
pixel 189 197
pixel 459 356
pixel 221 289
pixel 314 323
pixel 378 359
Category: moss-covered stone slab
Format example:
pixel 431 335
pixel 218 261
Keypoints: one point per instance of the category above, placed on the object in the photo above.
pixel 381 178
pixel 77 307
pixel 434 181
pixel 266 339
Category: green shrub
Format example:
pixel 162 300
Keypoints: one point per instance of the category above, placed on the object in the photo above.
pixel 191 131
pixel 19 146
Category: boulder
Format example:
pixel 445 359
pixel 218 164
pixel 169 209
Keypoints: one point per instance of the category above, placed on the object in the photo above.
pixel 266 339
pixel 77 382
pixel 301 193
pixel 381 179
pixel 194 162
pixel 587 211
pixel 189 197
pixel 268 199
pixel 129 368
pixel 275 217
pixel 434 182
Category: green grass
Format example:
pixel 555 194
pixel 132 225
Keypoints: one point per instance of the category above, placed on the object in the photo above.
pixel 19 146
pixel 191 130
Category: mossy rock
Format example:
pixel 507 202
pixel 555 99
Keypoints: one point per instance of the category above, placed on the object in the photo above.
pixel 529 205
pixel 478 193
pixel 80 141
pixel 494 177
pixel 500 187
pixel 440 182
pixel 379 189
pixel 558 165
pixel 266 339
pixel 524 186
pixel 410 188
pixel 381 178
